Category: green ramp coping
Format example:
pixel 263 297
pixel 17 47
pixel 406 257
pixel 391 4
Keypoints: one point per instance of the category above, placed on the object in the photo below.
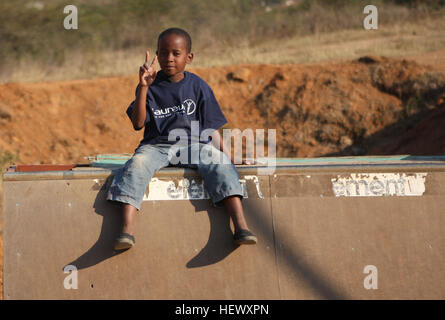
pixel 115 161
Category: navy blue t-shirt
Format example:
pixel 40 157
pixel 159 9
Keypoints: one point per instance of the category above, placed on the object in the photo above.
pixel 174 105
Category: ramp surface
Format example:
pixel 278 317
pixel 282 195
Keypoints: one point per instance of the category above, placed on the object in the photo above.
pixel 342 228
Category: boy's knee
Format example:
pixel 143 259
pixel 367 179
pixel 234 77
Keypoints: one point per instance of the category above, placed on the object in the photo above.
pixel 209 155
pixel 139 160
pixel 219 172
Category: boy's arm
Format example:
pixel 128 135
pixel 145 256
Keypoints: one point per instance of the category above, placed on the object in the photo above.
pixel 147 74
pixel 218 142
pixel 139 110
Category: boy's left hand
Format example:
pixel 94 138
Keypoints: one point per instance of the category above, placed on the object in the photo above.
pixel 249 161
pixel 246 162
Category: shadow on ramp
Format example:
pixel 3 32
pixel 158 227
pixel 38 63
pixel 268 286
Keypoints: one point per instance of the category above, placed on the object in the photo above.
pixel 111 222
pixel 220 243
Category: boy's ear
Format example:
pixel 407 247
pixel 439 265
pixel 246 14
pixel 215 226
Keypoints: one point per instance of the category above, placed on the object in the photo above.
pixel 189 57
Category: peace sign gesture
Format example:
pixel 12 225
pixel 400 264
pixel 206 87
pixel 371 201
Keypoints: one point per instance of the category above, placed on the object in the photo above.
pixel 147 73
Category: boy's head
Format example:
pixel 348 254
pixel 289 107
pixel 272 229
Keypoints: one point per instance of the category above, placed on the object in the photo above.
pixel 174 51
pixel 179 32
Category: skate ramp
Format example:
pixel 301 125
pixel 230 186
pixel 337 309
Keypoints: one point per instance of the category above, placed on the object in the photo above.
pixel 328 228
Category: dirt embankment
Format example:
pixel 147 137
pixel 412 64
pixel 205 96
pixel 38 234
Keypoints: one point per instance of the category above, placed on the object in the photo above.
pixel 372 105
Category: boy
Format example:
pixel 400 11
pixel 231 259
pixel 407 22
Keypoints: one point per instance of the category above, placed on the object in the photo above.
pixel 169 100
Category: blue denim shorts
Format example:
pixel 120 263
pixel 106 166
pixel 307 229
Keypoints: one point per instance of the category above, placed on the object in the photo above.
pixel 219 175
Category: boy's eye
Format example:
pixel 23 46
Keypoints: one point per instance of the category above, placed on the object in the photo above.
pixel 165 53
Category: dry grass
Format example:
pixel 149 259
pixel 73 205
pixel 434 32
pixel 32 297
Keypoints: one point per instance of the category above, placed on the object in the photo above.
pixel 396 40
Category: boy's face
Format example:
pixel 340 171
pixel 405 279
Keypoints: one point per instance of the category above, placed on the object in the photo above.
pixel 173 56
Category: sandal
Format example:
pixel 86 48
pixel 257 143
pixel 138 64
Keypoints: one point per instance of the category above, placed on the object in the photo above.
pixel 244 236
pixel 124 241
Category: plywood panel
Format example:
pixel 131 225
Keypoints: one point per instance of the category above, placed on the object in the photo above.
pixel 184 249
pixel 324 242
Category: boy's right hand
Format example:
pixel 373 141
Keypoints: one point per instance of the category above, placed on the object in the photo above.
pixel 147 73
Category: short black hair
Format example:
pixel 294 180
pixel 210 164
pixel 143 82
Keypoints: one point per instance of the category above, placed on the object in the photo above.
pixel 180 32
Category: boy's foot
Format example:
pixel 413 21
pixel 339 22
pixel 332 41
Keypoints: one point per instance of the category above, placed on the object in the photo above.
pixel 124 241
pixel 244 237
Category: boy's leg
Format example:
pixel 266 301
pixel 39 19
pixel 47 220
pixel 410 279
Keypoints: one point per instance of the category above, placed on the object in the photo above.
pixel 222 183
pixel 234 208
pixel 130 183
pixel 126 239
pixel 128 217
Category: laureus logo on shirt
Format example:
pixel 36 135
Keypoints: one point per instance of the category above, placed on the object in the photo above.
pixel 191 106
pixel 188 107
